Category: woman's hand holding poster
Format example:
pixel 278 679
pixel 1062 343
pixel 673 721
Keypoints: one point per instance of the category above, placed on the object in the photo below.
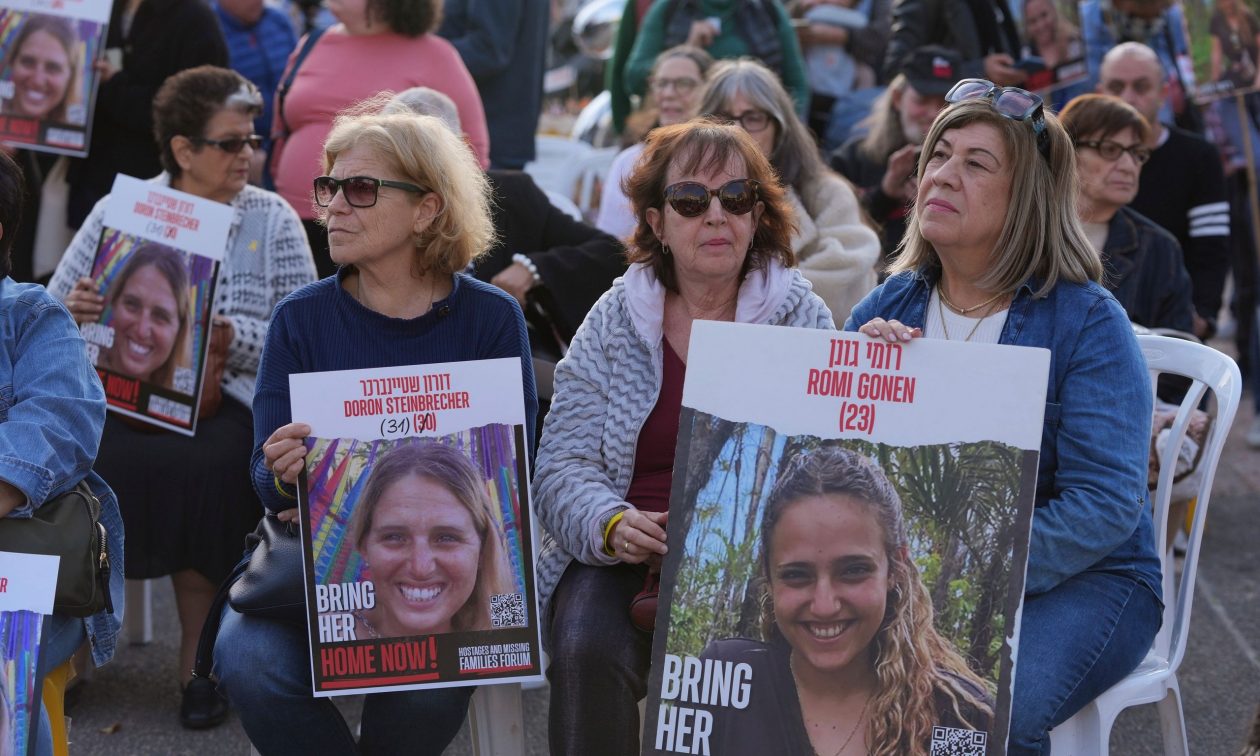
pixel 847 537
pixel 156 267
pixel 48 83
pixel 418 544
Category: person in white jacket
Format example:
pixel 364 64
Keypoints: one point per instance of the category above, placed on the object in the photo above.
pixel 835 249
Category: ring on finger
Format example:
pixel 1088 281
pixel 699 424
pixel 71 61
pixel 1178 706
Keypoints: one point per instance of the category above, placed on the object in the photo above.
pixel 626 546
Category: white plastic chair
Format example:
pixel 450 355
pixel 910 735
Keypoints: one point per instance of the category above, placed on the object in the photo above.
pixel 562 203
pixel 556 162
pixel 592 175
pixel 1155 680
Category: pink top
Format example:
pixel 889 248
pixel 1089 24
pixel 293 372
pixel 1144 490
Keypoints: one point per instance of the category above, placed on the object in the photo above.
pixel 343 69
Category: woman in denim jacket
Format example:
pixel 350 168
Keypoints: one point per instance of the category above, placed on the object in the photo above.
pixel 52 409
pixel 994 252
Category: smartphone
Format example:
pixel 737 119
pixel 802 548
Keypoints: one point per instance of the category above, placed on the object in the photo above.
pixel 1031 64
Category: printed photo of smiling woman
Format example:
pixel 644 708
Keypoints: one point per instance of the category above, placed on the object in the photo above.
pixel 149 308
pixel 853 659
pixel 433 548
pixel 42 71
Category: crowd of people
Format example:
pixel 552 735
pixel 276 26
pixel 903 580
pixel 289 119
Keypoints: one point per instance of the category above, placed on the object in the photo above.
pixel 379 217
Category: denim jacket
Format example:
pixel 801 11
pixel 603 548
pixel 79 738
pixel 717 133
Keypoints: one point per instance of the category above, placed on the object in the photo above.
pixel 1091 499
pixel 52 411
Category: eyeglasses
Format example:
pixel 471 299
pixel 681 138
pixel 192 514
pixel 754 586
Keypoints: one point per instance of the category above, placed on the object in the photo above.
pixel 752 120
pixel 359 191
pixel 1014 103
pixel 231 146
pixel 691 198
pixel 683 85
pixel 1111 151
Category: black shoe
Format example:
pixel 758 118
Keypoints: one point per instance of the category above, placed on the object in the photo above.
pixel 202 706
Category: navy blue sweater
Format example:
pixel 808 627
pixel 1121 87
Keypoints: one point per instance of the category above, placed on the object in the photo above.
pixel 321 327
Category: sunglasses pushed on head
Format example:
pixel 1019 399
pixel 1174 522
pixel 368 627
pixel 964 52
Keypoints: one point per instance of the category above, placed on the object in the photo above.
pixel 1012 102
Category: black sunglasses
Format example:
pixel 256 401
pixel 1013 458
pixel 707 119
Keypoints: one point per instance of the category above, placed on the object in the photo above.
pixel 359 191
pixel 691 198
pixel 1014 103
pixel 233 145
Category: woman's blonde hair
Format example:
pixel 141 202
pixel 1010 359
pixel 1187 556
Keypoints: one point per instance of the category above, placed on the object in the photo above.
pixel 915 668
pixel 453 470
pixel 422 150
pixel 884 134
pixel 1042 235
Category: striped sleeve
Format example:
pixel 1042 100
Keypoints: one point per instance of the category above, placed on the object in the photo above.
pixel 1211 219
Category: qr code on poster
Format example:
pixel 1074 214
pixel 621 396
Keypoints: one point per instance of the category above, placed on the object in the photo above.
pixel 949 741
pixel 507 610
pixel 185 380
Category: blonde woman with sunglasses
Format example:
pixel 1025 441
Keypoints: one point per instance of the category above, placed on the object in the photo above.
pixel 406 205
pixel 712 242
pixel 191 525
pixel 995 253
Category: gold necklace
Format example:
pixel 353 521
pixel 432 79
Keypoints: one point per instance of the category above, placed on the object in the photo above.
pixel 940 297
pixel 856 725
pixel 940 290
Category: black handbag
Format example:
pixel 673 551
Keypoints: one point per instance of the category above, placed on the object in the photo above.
pixel 68 527
pixel 271 585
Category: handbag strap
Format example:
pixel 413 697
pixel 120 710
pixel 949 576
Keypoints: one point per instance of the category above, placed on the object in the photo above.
pixel 277 135
pixel 204 661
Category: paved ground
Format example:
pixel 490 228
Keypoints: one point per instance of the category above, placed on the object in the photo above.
pixel 129 708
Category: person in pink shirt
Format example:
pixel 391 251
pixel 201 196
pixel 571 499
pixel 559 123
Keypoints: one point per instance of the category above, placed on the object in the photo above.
pixel 378 45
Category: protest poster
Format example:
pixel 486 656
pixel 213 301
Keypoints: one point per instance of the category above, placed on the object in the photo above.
pixel 156 264
pixel 801 456
pixel 19 694
pixel 1223 47
pixel 418 542
pixel 1053 53
pixel 28 585
pixel 48 83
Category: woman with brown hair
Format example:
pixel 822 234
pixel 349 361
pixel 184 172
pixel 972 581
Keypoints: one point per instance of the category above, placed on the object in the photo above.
pixel 713 242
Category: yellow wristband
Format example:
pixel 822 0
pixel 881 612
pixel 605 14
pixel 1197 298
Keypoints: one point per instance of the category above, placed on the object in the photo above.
pixel 608 529
pixel 280 489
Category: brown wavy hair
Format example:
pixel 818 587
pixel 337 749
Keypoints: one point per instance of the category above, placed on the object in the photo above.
pixel 915 667
pixel 702 145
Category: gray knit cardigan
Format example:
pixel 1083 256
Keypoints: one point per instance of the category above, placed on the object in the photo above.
pixel 605 388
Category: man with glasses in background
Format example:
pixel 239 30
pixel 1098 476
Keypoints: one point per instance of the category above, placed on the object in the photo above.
pixel 1182 186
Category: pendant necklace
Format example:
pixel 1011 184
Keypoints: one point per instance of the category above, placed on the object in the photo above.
pixel 940 297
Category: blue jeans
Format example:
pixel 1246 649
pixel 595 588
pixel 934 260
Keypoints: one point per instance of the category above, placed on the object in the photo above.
pixel 599 662
pixel 59 638
pixel 264 668
pixel 1076 641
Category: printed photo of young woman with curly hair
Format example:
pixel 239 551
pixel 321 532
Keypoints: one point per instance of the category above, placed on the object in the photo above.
pixel 852 662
